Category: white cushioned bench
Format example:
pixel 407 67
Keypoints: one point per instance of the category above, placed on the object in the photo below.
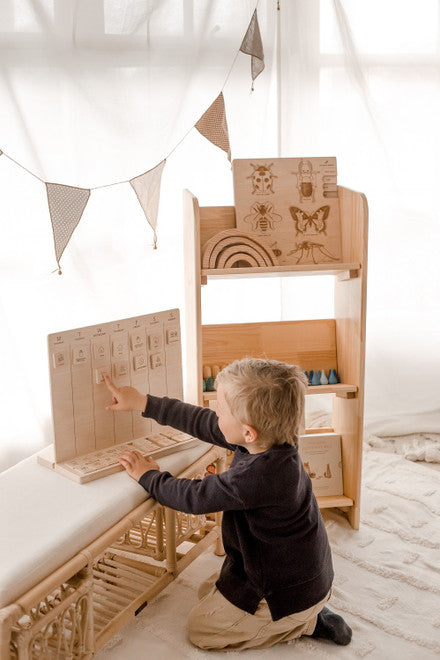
pixel 47 521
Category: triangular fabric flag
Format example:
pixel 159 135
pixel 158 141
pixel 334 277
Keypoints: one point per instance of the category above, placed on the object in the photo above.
pixel 253 46
pixel 147 189
pixel 66 206
pixel 213 125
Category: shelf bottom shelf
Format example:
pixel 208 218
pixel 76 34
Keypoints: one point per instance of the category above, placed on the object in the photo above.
pixel 329 501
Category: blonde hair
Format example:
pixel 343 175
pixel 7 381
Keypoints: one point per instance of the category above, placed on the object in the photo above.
pixel 265 394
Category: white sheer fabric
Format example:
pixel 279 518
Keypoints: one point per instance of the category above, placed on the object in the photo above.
pixel 94 93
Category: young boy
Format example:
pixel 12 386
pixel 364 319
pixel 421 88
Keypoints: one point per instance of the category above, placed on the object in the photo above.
pixel 278 572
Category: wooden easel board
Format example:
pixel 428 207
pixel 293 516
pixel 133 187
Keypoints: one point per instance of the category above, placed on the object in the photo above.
pixel 292 203
pixel 144 352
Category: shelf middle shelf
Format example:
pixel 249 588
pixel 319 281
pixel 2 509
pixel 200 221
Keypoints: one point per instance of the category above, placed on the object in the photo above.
pixel 341 389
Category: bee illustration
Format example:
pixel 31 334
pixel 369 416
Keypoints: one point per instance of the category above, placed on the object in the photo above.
pixel 315 222
pixel 308 252
pixel 262 217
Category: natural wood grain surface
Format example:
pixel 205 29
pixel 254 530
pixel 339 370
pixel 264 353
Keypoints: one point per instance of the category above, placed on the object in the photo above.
pixel 309 344
pixel 292 203
pixel 143 351
pixel 193 314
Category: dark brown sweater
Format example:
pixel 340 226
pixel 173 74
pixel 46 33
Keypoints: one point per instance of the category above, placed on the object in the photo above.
pixel 274 537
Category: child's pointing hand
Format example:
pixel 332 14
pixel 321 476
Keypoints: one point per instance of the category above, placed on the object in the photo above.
pixel 125 398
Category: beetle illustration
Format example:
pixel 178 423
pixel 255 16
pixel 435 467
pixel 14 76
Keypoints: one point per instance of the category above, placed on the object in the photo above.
pixel 306 180
pixel 262 179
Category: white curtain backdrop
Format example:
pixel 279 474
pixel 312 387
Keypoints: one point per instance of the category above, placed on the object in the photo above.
pixel 95 92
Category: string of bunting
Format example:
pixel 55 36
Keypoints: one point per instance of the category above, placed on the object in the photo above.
pixel 67 203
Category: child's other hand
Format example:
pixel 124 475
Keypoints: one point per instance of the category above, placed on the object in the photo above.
pixel 136 465
pixel 125 398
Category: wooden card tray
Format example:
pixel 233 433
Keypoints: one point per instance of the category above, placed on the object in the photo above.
pixel 103 462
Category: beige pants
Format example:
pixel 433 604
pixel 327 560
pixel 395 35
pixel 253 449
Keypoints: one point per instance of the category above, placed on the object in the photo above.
pixel 215 623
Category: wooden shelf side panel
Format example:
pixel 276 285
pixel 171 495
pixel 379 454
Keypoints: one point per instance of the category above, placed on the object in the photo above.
pixel 310 344
pixel 193 314
pixel 350 295
pixel 214 219
pixel 350 317
pixel 353 209
pixel 347 422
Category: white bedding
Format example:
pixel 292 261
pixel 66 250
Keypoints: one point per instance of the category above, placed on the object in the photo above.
pixel 45 518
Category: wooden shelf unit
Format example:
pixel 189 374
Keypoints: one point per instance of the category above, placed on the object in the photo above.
pixel 337 343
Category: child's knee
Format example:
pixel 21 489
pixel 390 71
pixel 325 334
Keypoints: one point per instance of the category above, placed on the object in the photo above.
pixel 197 635
pixel 193 623
pixel 199 631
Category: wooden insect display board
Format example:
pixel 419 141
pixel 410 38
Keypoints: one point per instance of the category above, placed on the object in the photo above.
pixel 293 204
pixel 144 352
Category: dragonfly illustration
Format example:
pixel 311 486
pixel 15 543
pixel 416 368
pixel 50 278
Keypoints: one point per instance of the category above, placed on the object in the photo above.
pixel 307 251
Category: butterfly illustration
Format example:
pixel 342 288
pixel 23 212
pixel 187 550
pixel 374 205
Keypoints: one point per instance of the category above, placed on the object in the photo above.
pixel 316 222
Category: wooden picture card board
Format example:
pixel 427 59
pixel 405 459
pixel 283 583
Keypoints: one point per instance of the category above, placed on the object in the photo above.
pixel 293 204
pixel 321 456
pixel 143 351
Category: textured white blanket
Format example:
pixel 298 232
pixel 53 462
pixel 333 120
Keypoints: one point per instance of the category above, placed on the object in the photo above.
pixel 387 583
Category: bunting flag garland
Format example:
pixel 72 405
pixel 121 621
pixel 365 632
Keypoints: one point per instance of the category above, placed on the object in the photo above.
pixel 253 46
pixel 147 189
pixel 67 203
pixel 213 125
pixel 66 206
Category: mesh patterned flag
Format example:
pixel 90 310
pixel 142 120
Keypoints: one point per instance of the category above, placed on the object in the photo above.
pixel 147 189
pixel 213 125
pixel 253 46
pixel 66 206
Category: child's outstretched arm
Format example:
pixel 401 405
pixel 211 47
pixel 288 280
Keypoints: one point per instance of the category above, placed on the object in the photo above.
pixel 199 422
pixel 216 492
